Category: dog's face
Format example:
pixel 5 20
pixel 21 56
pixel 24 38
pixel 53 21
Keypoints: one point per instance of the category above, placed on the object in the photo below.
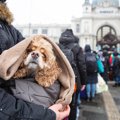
pixel 40 61
pixel 39 54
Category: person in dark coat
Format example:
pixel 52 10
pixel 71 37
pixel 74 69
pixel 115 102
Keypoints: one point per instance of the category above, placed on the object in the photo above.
pixel 116 69
pixel 91 78
pixel 12 108
pixel 69 41
pixel 106 66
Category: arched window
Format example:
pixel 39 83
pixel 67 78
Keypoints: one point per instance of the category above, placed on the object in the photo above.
pixel 106 35
pixel 104 30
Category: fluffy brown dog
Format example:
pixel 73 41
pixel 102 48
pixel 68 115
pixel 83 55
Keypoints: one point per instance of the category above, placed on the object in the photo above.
pixel 41 62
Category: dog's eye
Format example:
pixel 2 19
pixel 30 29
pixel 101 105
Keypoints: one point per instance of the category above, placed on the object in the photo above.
pixel 42 50
pixel 33 48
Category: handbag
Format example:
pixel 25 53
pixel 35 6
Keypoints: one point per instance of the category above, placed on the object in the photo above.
pixel 101 86
pixel 100 66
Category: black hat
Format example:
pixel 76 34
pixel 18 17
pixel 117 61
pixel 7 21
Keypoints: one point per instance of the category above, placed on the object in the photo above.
pixel 2 1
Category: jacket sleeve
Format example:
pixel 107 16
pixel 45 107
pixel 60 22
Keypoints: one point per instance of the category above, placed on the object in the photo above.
pixel 12 108
pixel 19 36
pixel 82 67
pixel 16 34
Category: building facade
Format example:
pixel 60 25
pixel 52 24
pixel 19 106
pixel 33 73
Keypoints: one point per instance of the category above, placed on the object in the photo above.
pixel 51 30
pixel 98 19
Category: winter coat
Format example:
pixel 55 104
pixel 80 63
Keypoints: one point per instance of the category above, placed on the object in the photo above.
pixel 82 66
pixel 91 78
pixel 68 40
pixel 9 36
pixel 10 107
pixel 116 66
pixel 16 109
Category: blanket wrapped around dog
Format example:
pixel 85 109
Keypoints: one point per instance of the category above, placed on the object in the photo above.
pixel 11 59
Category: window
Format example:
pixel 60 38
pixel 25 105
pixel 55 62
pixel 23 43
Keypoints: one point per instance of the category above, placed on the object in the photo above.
pixel 86 9
pixel 44 31
pixel 34 31
pixel 86 27
pixel 104 30
pixel 86 40
pixel 77 28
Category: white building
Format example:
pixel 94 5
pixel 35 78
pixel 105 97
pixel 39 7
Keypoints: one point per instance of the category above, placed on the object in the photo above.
pixel 51 30
pixel 99 18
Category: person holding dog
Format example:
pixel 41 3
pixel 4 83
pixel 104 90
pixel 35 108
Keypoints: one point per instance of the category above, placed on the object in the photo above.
pixel 12 108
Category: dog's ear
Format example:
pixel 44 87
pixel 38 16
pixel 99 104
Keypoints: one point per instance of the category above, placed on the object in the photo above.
pixel 28 50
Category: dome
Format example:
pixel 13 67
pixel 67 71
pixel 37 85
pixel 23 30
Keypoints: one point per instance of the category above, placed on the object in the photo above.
pixel 114 3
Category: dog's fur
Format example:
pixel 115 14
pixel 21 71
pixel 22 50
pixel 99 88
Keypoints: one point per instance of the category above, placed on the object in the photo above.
pixel 39 60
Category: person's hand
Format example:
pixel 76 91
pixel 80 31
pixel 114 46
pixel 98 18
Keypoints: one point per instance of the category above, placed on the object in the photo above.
pixel 83 87
pixel 60 113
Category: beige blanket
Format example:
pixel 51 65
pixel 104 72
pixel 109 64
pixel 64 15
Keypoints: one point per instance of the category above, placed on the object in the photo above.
pixel 10 61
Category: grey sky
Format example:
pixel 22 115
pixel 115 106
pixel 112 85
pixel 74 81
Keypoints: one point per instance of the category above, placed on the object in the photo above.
pixel 44 11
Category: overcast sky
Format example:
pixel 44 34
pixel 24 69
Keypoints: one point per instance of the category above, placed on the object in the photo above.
pixel 44 11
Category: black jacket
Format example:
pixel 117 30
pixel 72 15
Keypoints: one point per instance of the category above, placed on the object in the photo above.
pixel 16 109
pixel 116 66
pixel 68 40
pixel 91 78
pixel 9 36
pixel 10 107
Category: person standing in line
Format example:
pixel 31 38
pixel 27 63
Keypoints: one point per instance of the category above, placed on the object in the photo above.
pixel 92 79
pixel 106 66
pixel 116 69
pixel 69 44
pixel 12 108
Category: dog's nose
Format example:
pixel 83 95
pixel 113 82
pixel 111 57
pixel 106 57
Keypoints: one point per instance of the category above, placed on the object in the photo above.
pixel 35 55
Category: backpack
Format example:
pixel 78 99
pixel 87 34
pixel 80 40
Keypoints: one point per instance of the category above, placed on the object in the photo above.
pixel 69 54
pixel 91 63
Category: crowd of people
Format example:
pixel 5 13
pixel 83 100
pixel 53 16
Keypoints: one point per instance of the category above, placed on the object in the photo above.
pixel 111 62
pixel 85 63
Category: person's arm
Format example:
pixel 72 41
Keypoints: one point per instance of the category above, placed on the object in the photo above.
pixel 19 36
pixel 82 68
pixel 10 107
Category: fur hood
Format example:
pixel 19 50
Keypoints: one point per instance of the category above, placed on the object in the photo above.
pixel 5 13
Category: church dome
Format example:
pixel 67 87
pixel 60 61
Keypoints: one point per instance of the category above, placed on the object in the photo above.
pixel 114 3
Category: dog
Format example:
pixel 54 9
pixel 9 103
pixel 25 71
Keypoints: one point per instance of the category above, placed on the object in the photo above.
pixel 39 61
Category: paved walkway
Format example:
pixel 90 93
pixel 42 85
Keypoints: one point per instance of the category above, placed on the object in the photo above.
pixel 105 107
pixel 115 92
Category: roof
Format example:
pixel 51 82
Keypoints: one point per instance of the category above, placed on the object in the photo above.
pixel 109 39
pixel 114 3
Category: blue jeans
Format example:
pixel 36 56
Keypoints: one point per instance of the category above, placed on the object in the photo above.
pixel 91 89
pixel 78 99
